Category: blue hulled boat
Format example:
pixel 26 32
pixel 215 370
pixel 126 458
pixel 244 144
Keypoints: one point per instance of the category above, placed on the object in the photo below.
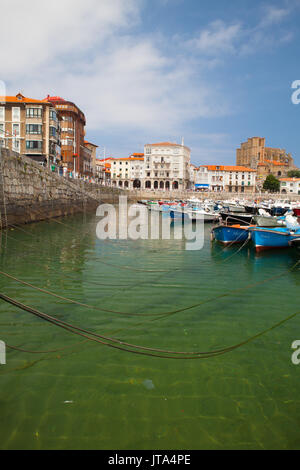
pixel 277 237
pixel 230 233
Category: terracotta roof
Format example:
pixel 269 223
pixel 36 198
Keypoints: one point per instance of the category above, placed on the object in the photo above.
pixel 133 159
pixel 289 179
pixel 227 168
pixel 137 155
pixel 267 162
pixel 19 98
pixel 54 98
pixel 90 143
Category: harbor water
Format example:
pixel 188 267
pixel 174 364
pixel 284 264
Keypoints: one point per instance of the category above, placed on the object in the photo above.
pixel 80 394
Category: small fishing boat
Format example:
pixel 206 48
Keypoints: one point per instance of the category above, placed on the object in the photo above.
pixel 265 219
pixel 276 237
pixel 296 211
pixel 229 234
pixel 202 214
pixel 236 218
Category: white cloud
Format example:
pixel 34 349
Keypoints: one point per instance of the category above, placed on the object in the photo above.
pixel 273 15
pixel 90 53
pixel 217 38
pixel 220 38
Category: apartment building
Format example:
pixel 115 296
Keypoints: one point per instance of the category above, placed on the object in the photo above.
pixel 30 127
pixel 72 121
pixel 166 166
pixel 103 169
pixel 290 185
pixel 225 178
pixel 93 152
pixel 127 172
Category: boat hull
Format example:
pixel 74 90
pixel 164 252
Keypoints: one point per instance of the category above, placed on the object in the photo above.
pixel 266 239
pixel 228 234
pixel 236 218
pixel 297 212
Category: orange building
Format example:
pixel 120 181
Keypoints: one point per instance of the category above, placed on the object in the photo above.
pixel 30 127
pixel 72 121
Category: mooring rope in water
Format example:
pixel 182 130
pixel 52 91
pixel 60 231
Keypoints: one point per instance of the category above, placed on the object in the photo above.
pixel 130 286
pixel 161 314
pixel 90 282
pixel 28 351
pixel 100 260
pixel 140 349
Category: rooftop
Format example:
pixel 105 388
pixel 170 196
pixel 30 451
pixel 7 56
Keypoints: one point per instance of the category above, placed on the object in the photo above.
pixel 19 98
pixel 227 168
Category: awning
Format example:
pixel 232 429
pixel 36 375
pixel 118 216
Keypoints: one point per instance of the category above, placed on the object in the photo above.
pixel 201 185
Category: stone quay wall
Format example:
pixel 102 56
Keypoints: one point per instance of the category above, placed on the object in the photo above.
pixel 30 193
pixel 137 195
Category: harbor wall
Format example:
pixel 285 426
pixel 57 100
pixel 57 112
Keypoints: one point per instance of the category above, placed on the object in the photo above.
pixel 30 193
pixel 136 195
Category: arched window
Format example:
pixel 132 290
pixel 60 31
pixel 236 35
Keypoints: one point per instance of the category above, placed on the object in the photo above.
pixel 137 184
pixel 155 184
pixel 148 185
pixel 161 185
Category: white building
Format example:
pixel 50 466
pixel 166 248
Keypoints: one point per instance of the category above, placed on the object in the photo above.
pixel 290 185
pixel 166 166
pixel 127 172
pixel 225 178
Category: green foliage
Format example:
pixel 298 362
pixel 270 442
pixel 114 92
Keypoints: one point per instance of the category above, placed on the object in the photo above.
pixel 271 184
pixel 294 174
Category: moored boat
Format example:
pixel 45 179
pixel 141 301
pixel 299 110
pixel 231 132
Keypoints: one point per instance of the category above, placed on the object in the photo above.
pixel 229 234
pixel 236 218
pixel 296 211
pixel 276 237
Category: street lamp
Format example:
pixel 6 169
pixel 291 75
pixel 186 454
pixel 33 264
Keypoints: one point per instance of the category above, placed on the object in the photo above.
pixel 74 158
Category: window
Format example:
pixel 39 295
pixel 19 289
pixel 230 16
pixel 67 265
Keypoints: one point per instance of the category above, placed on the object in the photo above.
pixel 2 129
pixel 16 145
pixel 2 143
pixel 16 129
pixel 148 150
pixel 34 144
pixel 34 112
pixel 16 114
pixel 33 129
pixel 67 118
pixel 52 131
pixel 53 115
pixel 2 113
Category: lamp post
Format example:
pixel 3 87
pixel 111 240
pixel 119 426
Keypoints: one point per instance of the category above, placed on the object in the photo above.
pixel 74 158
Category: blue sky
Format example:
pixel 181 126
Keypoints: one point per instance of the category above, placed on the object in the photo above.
pixel 147 71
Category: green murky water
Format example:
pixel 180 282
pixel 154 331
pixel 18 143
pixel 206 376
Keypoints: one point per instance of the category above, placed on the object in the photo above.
pixel 89 396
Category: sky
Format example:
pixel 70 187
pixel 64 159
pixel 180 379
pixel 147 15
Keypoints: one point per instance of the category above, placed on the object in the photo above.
pixel 143 71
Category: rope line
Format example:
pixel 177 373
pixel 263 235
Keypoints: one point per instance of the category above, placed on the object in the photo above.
pixel 140 349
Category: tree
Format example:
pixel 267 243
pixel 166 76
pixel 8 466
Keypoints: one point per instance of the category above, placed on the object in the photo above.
pixel 294 174
pixel 271 184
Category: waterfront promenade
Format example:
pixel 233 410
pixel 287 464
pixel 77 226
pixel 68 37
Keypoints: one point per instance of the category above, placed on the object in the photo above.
pixel 30 193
